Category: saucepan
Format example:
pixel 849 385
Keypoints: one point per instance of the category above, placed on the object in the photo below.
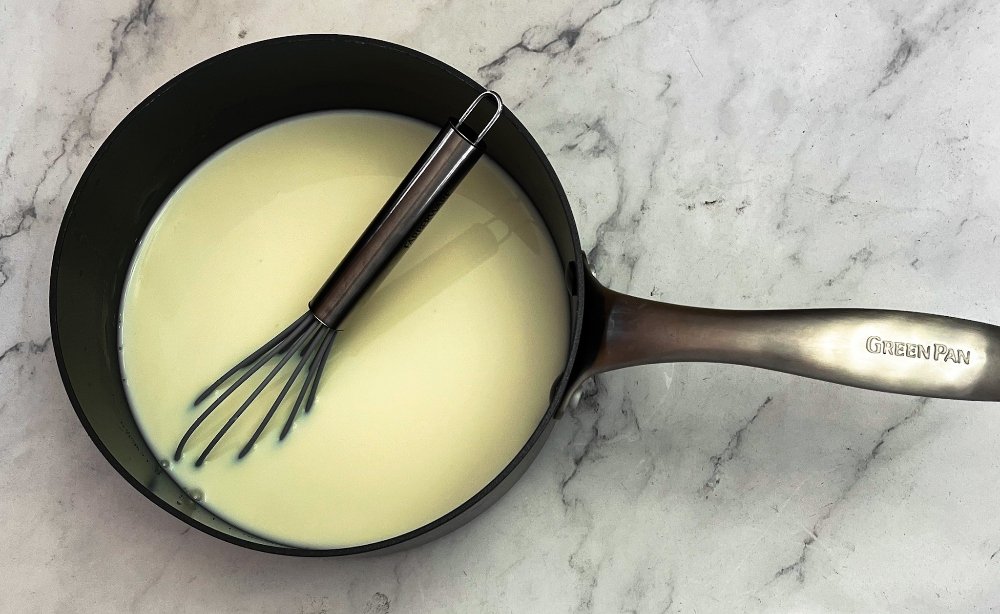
pixel 215 102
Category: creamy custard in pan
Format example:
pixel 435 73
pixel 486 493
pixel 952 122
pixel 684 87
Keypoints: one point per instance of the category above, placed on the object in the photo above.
pixel 440 374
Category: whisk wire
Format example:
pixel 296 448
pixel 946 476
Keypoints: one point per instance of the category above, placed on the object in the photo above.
pixel 315 340
pixel 271 348
pixel 289 351
pixel 276 340
pixel 312 376
pixel 322 364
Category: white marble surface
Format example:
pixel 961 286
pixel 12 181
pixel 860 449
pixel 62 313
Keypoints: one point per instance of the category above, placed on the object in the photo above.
pixel 719 154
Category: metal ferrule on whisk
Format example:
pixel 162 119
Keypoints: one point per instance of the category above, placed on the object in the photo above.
pixel 420 195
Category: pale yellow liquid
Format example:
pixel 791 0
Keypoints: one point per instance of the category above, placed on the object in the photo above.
pixel 438 379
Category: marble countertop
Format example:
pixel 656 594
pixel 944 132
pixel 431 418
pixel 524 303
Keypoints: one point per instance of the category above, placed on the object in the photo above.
pixel 718 154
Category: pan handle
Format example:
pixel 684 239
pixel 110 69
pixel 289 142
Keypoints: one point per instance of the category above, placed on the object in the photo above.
pixel 893 351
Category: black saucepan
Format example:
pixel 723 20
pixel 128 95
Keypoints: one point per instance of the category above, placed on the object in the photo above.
pixel 206 107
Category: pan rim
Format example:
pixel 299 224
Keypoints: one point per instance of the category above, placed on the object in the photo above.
pixel 428 530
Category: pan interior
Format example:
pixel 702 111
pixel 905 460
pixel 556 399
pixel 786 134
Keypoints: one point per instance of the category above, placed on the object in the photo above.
pixel 433 383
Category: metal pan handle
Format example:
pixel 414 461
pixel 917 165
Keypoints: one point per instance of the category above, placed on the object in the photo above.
pixel 893 351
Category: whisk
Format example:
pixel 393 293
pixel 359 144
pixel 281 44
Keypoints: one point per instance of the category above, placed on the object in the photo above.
pixel 419 196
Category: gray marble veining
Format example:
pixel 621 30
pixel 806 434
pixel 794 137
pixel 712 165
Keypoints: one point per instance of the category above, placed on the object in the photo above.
pixel 745 155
